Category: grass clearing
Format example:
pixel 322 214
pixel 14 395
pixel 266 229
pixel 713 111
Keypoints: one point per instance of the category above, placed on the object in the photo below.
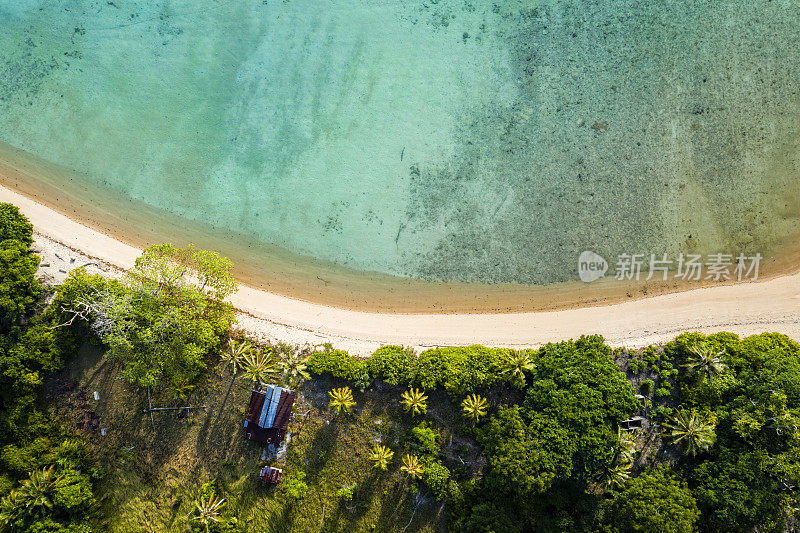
pixel 153 474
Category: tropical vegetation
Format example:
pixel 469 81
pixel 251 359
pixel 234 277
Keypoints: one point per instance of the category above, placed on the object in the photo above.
pixel 341 400
pixel 474 407
pixel 700 434
pixel 415 401
pixel 380 457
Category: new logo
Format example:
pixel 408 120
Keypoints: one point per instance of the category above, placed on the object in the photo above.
pixel 591 266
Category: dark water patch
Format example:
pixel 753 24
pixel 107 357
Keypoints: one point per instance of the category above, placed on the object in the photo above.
pixel 636 128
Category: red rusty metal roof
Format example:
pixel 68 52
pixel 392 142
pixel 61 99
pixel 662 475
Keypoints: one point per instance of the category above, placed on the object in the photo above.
pixel 276 430
pixel 271 475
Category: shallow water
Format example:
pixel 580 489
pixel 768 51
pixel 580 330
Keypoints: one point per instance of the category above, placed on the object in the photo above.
pixel 449 140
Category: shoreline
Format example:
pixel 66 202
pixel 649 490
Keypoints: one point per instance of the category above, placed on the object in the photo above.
pixel 743 308
pixel 275 270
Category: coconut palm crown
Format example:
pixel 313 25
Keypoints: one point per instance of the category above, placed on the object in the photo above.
pixel 474 407
pixel 235 354
pixel 688 429
pixel 415 400
pixel 206 510
pixel 618 470
pixel 412 466
pixel 380 457
pixel 626 447
pixel 615 475
pixel 705 362
pixel 294 368
pixel 514 364
pixel 34 497
pixel 259 367
pixel 341 400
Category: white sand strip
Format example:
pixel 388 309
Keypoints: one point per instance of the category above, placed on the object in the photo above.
pixel 746 308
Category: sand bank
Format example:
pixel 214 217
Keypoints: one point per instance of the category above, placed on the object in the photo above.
pixel 745 308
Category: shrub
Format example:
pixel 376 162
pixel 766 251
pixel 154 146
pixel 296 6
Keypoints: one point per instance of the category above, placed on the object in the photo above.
pixel 651 355
pixel 70 454
pixel 426 438
pixel 435 476
pixel 295 486
pixel 664 411
pixel 210 488
pixel 646 386
pixel 392 364
pixel 340 364
pixel 14 226
pixel 346 493
pixel 662 392
pixel 458 370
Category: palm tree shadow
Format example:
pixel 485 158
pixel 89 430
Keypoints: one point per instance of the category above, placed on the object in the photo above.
pixel 322 449
pixel 352 512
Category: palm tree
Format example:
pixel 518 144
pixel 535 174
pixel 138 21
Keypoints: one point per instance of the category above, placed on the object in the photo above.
pixel 341 400
pixel 294 368
pixel 380 456
pixel 688 429
pixel 702 360
pixel 259 367
pixel 235 354
pixel 35 496
pixel 515 364
pixel 619 468
pixel 627 445
pixel 616 475
pixel 11 508
pixel 206 511
pixel 412 466
pixel 474 407
pixel 415 400
pixel 36 491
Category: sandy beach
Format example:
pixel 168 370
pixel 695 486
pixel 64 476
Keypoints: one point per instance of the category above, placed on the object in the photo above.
pixel 276 270
pixel 746 308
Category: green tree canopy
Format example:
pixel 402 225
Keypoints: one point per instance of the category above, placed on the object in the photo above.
pixel 165 267
pixel 14 226
pixel 654 501
pixel 525 459
pixel 579 388
pixel 163 320
pixel 19 289
pixel 751 476
pixel 739 491
pixel 564 434
pixel 48 500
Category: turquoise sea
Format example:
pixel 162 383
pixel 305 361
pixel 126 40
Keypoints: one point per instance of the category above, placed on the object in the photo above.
pixel 449 140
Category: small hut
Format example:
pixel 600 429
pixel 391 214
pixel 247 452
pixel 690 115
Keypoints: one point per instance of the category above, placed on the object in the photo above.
pixel 632 423
pixel 268 414
pixel 270 475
